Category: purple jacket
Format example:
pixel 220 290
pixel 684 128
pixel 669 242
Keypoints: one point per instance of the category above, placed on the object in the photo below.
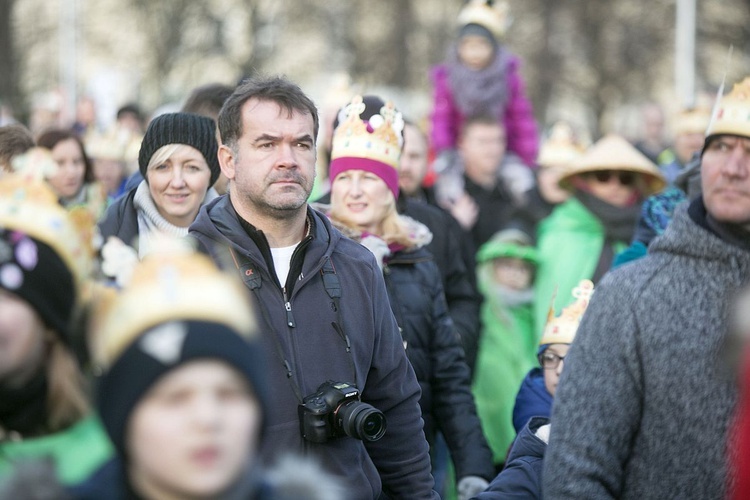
pixel 518 118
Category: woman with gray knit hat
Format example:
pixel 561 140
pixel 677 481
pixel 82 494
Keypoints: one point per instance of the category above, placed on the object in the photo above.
pixel 179 165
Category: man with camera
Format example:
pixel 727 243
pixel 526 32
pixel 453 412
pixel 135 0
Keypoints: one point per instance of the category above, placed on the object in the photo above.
pixel 342 389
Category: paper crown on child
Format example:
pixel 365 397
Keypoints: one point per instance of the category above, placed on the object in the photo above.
pixel 492 15
pixel 732 113
pixel 372 144
pixel 28 204
pixel 177 308
pixel 562 329
pixel 172 283
pixel 560 149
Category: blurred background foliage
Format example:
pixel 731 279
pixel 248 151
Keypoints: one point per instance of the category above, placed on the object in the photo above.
pixel 588 61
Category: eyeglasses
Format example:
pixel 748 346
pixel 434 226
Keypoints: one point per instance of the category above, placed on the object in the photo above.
pixel 604 176
pixel 550 360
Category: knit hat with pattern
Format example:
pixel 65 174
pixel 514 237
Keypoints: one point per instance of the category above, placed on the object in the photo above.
pixel 181 128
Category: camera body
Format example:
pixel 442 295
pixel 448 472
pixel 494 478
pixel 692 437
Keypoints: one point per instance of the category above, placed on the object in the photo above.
pixel 335 410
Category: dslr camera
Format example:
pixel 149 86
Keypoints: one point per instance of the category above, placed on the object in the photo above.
pixel 335 410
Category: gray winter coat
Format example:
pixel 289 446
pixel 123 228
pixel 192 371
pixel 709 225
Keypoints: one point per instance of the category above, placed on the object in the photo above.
pixel 644 404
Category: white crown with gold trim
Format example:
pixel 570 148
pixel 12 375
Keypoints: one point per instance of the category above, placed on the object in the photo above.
pixel 562 329
pixel 380 138
pixel 493 15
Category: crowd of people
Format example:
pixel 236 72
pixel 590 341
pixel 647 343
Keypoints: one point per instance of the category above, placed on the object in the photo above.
pixel 219 303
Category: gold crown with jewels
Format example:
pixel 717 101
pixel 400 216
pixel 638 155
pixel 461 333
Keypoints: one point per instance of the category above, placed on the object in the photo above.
pixel 380 138
pixel 562 329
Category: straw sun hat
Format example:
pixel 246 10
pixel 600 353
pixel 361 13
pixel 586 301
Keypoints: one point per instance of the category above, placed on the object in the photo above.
pixel 613 152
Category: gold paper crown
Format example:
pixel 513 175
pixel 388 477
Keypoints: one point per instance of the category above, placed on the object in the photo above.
pixel 733 112
pixel 560 149
pixel 106 147
pixel 491 15
pixel 380 138
pixel 562 329
pixel 171 283
pixel 692 121
pixel 28 204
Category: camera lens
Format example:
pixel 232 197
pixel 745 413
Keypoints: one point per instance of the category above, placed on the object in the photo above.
pixel 362 421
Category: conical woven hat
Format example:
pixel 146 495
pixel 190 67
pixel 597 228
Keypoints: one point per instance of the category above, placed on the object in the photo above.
pixel 613 152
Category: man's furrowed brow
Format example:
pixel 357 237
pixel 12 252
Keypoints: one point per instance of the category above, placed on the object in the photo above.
pixel 307 138
pixel 267 138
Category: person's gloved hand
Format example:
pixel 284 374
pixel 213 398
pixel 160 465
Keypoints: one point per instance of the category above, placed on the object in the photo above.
pixel 445 160
pixel 118 260
pixel 470 486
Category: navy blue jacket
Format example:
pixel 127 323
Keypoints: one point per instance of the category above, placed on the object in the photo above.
pixel 532 400
pixel 298 325
pixel 121 219
pixel 433 346
pixel 522 476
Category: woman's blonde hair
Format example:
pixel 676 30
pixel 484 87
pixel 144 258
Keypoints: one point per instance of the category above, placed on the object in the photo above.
pixel 394 229
pixel 163 154
pixel 67 400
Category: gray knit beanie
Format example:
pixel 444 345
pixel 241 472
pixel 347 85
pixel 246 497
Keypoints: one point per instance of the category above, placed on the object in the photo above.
pixel 181 128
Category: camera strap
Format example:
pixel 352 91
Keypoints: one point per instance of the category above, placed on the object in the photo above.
pixel 252 279
pixel 333 288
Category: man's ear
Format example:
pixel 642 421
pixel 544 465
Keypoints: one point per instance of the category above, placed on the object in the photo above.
pixel 226 161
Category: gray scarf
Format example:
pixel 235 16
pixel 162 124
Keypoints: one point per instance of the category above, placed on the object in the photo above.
pixel 151 221
pixel 483 91
pixel 619 222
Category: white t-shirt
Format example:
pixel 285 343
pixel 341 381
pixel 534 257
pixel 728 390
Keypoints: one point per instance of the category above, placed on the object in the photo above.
pixel 282 259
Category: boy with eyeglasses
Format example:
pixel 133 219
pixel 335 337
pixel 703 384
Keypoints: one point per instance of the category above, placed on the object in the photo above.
pixel 522 476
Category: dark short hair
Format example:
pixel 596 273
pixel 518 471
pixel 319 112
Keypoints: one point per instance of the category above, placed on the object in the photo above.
pixel 130 109
pixel 15 139
pixel 207 100
pixel 420 132
pixel 276 89
pixel 51 137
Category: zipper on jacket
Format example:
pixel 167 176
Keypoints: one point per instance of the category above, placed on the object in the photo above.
pixel 288 307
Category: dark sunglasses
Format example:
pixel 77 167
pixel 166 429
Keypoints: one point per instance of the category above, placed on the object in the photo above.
pixel 625 178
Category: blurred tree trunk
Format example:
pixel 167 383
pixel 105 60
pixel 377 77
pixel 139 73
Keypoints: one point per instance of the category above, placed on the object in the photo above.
pixel 164 24
pixel 337 17
pixel 9 93
pixel 264 35
pixel 548 61
pixel 403 26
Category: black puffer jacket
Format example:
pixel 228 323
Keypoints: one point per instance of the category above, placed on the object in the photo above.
pixel 453 253
pixel 434 348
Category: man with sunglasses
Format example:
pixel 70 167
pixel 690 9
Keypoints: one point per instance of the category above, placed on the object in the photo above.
pixel 644 404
